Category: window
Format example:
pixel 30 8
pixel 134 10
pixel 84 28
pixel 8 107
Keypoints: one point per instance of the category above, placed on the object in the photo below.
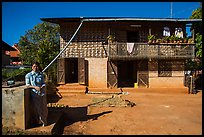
pixel 165 68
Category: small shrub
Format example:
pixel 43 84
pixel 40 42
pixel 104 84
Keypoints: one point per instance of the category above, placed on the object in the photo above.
pixel 17 74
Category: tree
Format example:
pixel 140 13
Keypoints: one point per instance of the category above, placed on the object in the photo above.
pixel 198 41
pixel 28 50
pixel 40 44
pixel 197 14
pixel 197 62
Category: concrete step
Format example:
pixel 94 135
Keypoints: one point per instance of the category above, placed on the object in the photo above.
pixel 71 86
pixel 104 90
pixel 64 92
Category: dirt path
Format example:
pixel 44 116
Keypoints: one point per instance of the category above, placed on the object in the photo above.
pixel 157 112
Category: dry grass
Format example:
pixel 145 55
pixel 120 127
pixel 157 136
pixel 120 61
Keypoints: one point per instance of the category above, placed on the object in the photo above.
pixel 16 131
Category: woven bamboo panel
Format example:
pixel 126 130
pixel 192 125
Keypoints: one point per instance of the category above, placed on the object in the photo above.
pixel 90 39
pixel 85 49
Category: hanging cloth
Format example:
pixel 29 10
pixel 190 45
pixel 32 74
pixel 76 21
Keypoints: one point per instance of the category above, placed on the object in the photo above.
pixel 130 47
pixel 166 31
pixel 179 32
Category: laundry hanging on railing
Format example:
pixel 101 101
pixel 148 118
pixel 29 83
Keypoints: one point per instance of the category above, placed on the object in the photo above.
pixel 130 47
pixel 166 31
pixel 179 32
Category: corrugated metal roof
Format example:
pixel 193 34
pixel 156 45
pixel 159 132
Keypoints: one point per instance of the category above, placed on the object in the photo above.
pixel 113 19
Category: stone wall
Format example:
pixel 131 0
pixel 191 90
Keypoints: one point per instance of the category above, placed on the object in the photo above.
pixel 15 107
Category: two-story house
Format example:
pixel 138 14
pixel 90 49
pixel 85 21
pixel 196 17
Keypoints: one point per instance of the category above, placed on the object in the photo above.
pixel 111 52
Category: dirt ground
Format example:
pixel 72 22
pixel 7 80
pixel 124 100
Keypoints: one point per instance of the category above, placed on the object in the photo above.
pixel 157 112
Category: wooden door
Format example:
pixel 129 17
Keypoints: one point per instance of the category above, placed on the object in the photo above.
pixel 143 73
pixel 61 79
pixel 112 76
pixel 83 71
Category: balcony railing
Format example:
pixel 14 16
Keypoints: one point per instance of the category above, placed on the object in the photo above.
pixel 133 50
pixel 144 50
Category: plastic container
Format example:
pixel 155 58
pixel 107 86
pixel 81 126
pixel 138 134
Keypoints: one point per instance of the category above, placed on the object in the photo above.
pixel 135 85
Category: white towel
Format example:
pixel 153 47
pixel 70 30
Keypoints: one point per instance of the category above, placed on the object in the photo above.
pixel 130 47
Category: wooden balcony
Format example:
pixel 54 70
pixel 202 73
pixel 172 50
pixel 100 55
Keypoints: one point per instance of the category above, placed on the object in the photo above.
pixel 145 50
pixel 118 50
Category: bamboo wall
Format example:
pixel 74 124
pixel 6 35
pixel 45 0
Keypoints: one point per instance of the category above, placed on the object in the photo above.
pixel 91 40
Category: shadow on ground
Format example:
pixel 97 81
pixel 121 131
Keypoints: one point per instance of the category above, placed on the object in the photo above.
pixel 63 117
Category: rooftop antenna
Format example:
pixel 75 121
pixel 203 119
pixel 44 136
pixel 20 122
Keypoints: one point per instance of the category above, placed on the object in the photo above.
pixel 171 9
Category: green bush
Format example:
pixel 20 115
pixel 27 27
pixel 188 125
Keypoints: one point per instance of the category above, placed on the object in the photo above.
pixel 16 74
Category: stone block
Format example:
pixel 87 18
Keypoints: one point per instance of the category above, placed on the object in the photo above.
pixel 16 107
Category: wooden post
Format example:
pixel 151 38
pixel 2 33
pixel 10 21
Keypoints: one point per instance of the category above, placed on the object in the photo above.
pixel 150 30
pixel 193 34
pixel 191 84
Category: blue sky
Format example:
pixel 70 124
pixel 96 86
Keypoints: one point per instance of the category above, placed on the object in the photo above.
pixel 19 17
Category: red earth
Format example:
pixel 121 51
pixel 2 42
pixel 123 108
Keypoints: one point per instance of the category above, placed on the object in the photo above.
pixel 158 111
